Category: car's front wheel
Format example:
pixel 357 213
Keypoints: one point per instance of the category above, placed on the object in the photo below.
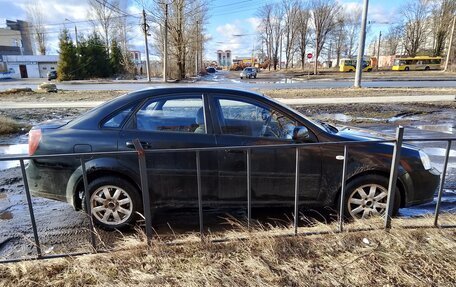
pixel 367 196
pixel 114 202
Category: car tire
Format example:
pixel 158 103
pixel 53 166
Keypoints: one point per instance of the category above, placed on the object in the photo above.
pixel 120 211
pixel 242 78
pixel 406 69
pixel 369 70
pixel 254 76
pixel 366 196
pixel 427 68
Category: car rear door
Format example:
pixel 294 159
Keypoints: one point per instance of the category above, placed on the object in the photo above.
pixel 240 121
pixel 176 121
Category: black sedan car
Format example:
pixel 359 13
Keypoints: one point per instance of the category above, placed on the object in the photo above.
pixel 176 118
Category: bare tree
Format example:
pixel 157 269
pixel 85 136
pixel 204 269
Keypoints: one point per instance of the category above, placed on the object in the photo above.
pixel 272 29
pixel 290 29
pixel 265 13
pixel 104 11
pixel 339 36
pixel 186 22
pixel 35 15
pixel 442 15
pixel 302 33
pixel 352 27
pixel 415 13
pixel 324 14
pixel 392 39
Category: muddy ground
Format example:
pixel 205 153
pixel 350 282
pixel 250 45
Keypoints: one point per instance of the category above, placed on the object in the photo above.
pixel 62 229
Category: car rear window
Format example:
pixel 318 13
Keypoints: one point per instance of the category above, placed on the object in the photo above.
pixel 118 118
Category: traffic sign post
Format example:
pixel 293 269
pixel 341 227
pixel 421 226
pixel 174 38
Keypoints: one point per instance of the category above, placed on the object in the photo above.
pixel 309 57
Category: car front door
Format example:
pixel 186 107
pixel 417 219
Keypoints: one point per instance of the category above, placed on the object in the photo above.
pixel 240 121
pixel 174 122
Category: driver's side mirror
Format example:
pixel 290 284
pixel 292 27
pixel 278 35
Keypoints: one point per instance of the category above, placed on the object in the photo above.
pixel 301 134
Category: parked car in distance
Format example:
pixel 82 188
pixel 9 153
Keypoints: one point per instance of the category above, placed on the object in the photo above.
pixel 197 117
pixel 52 75
pixel 210 70
pixel 249 73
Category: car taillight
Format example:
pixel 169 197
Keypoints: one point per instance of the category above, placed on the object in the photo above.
pixel 34 140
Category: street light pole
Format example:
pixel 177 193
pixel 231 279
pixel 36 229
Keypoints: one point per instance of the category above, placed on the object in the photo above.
pixel 75 31
pixel 145 29
pixel 362 41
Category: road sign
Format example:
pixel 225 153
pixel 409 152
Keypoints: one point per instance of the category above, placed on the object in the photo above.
pixel 309 56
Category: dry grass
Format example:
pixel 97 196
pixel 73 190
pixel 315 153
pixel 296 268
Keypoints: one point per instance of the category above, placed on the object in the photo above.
pixel 9 126
pixel 401 257
pixel 353 92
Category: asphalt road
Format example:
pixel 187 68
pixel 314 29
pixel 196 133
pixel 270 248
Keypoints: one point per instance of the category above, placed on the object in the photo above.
pixel 221 81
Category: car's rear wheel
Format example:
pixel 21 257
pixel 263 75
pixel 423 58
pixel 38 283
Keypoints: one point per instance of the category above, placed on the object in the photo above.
pixel 406 69
pixel 114 202
pixel 367 197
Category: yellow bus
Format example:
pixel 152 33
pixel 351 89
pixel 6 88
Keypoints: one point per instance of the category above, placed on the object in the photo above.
pixel 349 65
pixel 417 63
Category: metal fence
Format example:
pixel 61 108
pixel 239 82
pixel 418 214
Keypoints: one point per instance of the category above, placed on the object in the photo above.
pixel 141 154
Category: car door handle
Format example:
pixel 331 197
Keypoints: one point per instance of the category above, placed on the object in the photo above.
pixel 145 145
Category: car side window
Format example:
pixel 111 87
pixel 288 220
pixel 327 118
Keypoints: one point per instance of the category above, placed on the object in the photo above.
pixel 253 119
pixel 185 115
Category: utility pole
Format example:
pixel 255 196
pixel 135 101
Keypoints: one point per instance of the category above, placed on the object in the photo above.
pixel 362 41
pixel 76 35
pixel 450 45
pixel 165 47
pixel 378 49
pixel 146 29
pixel 197 46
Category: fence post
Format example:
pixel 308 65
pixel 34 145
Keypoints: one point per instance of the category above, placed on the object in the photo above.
pixel 30 206
pixel 87 203
pixel 342 190
pixel 296 192
pixel 249 188
pixel 393 176
pixel 144 188
pixel 200 203
pixel 442 182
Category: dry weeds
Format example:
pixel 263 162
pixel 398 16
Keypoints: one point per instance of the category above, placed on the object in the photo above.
pixel 353 92
pixel 9 126
pixel 401 257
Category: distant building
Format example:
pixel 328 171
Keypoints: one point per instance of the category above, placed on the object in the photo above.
pixel 15 39
pixel 224 58
pixel 31 66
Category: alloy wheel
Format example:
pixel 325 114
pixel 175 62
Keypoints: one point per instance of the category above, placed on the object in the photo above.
pixel 367 200
pixel 111 205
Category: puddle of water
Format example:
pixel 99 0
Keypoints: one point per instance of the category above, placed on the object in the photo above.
pixel 337 117
pixel 444 128
pixel 346 118
pixel 6 215
pixel 15 149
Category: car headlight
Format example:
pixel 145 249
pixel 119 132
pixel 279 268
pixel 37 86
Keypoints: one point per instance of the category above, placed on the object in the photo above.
pixel 425 160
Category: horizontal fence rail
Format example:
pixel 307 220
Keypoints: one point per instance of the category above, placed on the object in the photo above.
pixel 141 153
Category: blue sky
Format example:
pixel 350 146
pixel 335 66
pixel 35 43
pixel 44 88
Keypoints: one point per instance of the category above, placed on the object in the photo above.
pixel 226 18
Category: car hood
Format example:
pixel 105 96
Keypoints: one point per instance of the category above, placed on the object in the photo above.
pixel 358 134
